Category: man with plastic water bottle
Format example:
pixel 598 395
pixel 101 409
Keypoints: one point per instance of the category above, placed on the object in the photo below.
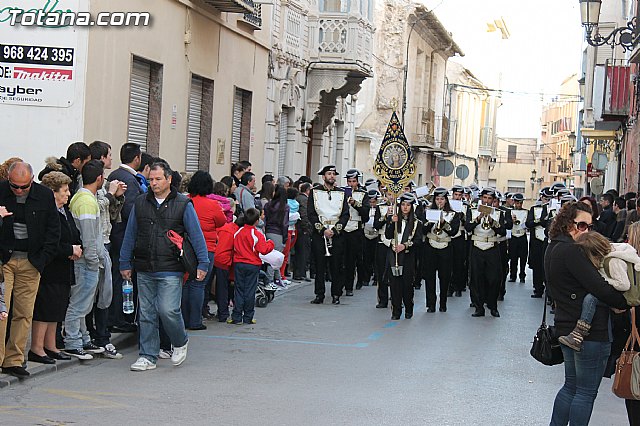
pixel 159 270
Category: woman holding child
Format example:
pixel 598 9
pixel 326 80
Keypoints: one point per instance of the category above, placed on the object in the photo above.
pixel 571 276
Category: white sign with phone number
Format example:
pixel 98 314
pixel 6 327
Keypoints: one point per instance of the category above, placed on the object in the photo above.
pixel 38 65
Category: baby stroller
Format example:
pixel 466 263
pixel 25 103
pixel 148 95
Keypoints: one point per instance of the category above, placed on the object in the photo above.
pixel 265 292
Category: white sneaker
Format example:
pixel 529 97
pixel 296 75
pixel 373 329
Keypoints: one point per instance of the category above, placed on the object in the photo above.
pixel 179 354
pixel 165 354
pixel 143 364
pixel 111 352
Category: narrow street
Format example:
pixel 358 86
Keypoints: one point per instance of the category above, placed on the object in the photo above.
pixel 303 364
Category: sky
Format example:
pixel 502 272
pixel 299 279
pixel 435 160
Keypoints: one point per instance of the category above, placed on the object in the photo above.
pixel 544 49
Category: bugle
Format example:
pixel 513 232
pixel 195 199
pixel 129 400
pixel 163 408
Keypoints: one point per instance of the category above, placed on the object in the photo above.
pixel 327 245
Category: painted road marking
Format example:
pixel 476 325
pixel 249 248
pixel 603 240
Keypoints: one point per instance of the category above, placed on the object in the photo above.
pixel 299 342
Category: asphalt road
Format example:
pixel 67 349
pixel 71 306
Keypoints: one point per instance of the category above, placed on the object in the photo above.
pixel 304 364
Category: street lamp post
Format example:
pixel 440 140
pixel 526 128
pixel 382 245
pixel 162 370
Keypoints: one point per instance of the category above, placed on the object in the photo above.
pixel 626 37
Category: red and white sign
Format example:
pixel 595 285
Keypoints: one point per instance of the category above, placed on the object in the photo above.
pixel 49 74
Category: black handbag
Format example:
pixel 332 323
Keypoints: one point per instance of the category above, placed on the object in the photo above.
pixel 546 348
pixel 187 253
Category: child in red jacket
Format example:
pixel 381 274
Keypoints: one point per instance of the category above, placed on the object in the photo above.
pixel 223 262
pixel 248 243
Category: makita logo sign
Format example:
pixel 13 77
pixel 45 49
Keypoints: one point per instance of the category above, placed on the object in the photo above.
pixel 22 73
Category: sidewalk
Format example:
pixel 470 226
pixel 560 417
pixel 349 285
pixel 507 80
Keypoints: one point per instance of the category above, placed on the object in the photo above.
pixel 121 341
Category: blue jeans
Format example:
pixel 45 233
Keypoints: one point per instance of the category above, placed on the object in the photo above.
pixel 222 294
pixel 582 376
pixel 159 297
pixel 589 305
pixel 244 301
pixel 81 300
pixel 193 298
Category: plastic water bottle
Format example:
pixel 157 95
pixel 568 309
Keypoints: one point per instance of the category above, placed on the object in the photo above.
pixel 127 297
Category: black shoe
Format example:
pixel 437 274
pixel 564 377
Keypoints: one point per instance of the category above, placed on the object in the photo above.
pixel 40 359
pixel 443 309
pixel 336 300
pixel 495 313
pixel 395 317
pixel 458 294
pixel 358 286
pixel 318 300
pixel 478 313
pixel 471 305
pixel 298 278
pixel 408 315
pixel 365 284
pixel 431 310
pixel 92 348
pixel 536 296
pixel 200 327
pixel 307 279
pixel 60 356
pixel 417 286
pixel 19 371
pixel 349 293
pixel 522 280
pixel 382 306
pixel 223 319
pixel 501 298
pixel 450 293
pixel 512 280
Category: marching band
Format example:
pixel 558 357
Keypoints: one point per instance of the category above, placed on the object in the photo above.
pixel 453 239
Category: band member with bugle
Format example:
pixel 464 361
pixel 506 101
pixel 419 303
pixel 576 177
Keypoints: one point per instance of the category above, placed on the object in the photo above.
pixel 518 248
pixel 371 238
pixel 382 248
pixel 503 243
pixel 459 249
pixel 537 222
pixel 328 213
pixel 485 224
pixel 358 201
pixel 438 250
pixel 403 228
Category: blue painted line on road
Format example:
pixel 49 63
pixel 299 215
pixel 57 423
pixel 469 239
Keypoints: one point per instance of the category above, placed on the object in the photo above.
pixel 300 342
pixel 390 325
pixel 375 336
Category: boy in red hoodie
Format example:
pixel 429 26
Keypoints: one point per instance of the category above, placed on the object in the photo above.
pixel 248 243
pixel 223 262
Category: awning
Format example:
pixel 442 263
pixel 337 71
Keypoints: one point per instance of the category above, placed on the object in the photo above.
pixel 599 134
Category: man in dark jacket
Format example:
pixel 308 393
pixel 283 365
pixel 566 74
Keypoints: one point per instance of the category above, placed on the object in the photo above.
pixel 29 236
pixel 607 217
pixel 78 154
pixel 303 242
pixel 130 157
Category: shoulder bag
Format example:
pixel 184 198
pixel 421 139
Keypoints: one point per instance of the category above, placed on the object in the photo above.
pixel 626 384
pixel 546 348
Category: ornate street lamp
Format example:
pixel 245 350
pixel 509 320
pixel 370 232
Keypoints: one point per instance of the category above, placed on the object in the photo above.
pixel 626 37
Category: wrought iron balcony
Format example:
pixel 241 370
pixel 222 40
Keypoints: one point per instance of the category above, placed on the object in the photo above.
pixel 614 85
pixel 254 19
pixel 232 6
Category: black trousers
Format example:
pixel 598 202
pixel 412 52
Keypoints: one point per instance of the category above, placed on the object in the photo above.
pixel 382 273
pixel 518 251
pixel 536 263
pixel 486 272
pixel 504 263
pixel 335 263
pixel 353 258
pixel 440 261
pixel 368 258
pixel 459 264
pixel 301 258
pixel 402 287
pixel 633 411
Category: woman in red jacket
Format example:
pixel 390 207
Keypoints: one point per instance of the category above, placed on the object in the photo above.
pixel 195 294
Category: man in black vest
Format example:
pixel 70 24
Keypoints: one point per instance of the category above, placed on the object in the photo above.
pixel 157 263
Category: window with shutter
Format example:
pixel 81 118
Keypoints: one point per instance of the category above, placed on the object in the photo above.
pixel 139 102
pixel 282 142
pixel 193 125
pixel 241 126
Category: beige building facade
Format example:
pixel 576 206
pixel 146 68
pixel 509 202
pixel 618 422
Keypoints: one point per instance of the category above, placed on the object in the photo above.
pixel 511 172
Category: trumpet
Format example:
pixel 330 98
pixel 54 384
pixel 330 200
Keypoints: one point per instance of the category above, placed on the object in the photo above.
pixel 485 223
pixel 328 243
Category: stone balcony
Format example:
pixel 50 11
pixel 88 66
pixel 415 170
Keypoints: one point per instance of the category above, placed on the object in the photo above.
pixel 232 6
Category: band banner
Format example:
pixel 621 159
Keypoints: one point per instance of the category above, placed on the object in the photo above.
pixel 394 165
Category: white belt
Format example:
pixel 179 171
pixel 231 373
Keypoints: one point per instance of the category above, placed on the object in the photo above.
pixel 484 239
pixel 445 239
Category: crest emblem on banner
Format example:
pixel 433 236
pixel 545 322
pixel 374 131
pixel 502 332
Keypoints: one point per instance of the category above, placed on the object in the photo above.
pixel 394 164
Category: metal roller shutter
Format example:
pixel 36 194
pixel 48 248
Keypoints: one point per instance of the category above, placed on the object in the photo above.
pixel 236 127
pixel 193 125
pixel 282 149
pixel 139 103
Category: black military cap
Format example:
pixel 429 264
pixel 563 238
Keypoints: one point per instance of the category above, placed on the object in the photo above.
pixel 440 192
pixel 457 188
pixel 517 196
pixel 352 173
pixel 328 168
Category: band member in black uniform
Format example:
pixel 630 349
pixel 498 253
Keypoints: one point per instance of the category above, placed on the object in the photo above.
pixel 518 247
pixel 358 201
pixel 485 268
pixel 371 238
pixel 382 268
pixel 328 213
pixel 459 249
pixel 403 229
pixel 537 222
pixel 503 243
pixel 438 250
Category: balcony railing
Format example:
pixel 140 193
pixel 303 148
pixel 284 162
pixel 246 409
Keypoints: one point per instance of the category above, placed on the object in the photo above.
pixel 341 37
pixel 617 89
pixel 232 6
pixel 254 19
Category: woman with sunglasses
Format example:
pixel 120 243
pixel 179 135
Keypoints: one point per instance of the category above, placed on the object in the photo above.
pixel 570 277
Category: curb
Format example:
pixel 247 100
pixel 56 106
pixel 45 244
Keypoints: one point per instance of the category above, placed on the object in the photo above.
pixel 121 341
